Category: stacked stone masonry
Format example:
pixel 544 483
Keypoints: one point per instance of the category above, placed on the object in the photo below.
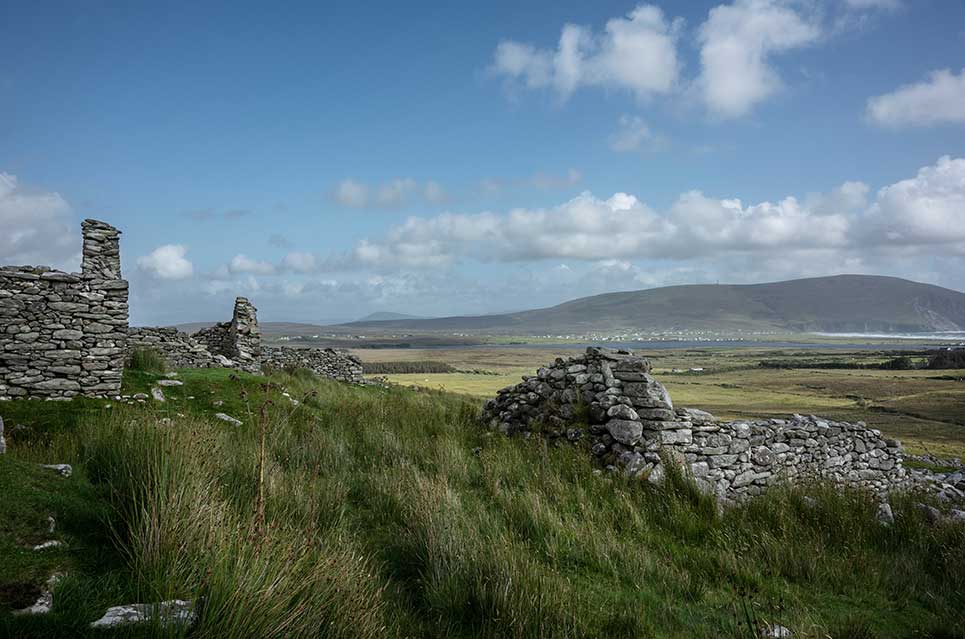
pixel 633 426
pixel 327 362
pixel 65 334
pixel 238 340
pixel 180 350
pixel 237 344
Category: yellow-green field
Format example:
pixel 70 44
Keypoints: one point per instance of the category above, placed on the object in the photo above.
pixel 923 408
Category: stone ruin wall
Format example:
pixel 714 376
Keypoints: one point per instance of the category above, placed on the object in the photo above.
pixel 180 350
pixel 67 334
pixel 237 344
pixel 238 340
pixel 610 398
pixel 64 334
pixel 327 362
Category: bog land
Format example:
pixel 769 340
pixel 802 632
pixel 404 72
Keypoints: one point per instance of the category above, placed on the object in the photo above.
pixel 923 408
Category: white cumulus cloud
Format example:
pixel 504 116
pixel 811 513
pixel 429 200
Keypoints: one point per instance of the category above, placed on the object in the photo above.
pixel 637 53
pixel 927 209
pixel 36 226
pixel 167 262
pixel 737 44
pixel 922 211
pixel 299 262
pixel 243 264
pixel 940 99
pixel 391 194
pixel 351 193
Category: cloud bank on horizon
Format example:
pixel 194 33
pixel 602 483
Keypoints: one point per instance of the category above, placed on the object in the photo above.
pixel 553 234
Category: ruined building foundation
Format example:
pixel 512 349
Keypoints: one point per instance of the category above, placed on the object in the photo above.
pixel 611 398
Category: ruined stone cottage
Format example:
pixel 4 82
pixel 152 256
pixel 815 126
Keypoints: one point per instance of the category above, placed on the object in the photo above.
pixel 64 334
pixel 67 334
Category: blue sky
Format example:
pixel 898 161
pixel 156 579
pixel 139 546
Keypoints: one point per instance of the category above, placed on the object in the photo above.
pixel 330 160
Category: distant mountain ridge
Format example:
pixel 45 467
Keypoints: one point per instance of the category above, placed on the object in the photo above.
pixel 385 316
pixel 836 304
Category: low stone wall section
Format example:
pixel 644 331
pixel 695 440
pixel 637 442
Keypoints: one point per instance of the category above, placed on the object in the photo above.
pixel 611 398
pixel 327 362
pixel 180 350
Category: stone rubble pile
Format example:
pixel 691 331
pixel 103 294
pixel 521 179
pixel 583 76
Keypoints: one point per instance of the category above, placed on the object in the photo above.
pixel 611 398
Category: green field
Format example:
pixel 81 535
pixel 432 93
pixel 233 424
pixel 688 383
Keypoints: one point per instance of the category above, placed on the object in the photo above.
pixel 390 512
pixel 923 408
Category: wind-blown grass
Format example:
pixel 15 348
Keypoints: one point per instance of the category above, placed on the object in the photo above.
pixel 388 512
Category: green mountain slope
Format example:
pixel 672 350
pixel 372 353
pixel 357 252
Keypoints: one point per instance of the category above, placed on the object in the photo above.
pixel 842 303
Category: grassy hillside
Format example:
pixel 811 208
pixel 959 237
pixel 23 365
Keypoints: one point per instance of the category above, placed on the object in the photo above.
pixel 845 303
pixel 366 512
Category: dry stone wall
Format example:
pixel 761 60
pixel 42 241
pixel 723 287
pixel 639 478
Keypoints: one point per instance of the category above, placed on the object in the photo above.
pixel 611 398
pixel 327 362
pixel 238 340
pixel 65 334
pixel 237 344
pixel 180 350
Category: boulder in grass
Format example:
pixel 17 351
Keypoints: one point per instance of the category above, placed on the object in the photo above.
pixel 167 613
pixel 64 470
pixel 45 601
pixel 3 442
pixel 228 418
pixel 885 516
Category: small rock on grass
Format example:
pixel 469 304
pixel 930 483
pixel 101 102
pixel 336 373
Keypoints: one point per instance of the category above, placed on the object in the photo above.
pixel 64 470
pixel 3 442
pixel 157 394
pixel 169 382
pixel 174 612
pixel 47 545
pixel 228 418
pixel 45 601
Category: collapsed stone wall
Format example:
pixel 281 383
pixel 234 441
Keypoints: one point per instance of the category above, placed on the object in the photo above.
pixel 238 340
pixel 610 397
pixel 327 362
pixel 64 334
pixel 237 344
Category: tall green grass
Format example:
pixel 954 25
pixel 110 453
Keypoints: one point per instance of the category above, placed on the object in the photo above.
pixel 146 360
pixel 392 513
